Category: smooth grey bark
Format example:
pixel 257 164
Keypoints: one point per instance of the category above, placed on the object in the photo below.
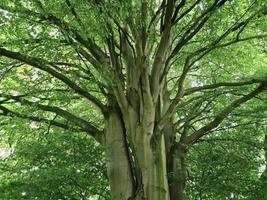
pixel 149 156
pixel 153 168
pixel 118 165
pixel 140 171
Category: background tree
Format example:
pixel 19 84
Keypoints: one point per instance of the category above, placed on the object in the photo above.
pixel 146 79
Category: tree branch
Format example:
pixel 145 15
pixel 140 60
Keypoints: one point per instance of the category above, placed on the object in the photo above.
pixel 44 66
pixel 223 114
pixel 83 124
pixel 195 28
pixel 222 84
pixel 9 113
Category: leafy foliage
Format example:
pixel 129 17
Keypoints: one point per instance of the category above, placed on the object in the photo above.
pixel 54 165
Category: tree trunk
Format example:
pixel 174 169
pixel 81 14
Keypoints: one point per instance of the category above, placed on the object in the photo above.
pixel 137 155
pixel 152 163
pixel 139 162
pixel 149 180
pixel 118 165
pixel 177 171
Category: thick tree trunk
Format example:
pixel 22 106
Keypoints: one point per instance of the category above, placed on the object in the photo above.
pixel 152 163
pixel 177 171
pixel 140 166
pixel 140 155
pixel 118 165
pixel 152 182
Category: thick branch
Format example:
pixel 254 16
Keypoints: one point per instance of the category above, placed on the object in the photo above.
pixel 222 84
pixel 158 64
pixel 175 21
pixel 83 124
pixel 171 109
pixel 42 65
pixel 224 113
pixel 9 113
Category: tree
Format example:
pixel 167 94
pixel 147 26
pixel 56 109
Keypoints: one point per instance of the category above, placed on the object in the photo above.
pixel 146 79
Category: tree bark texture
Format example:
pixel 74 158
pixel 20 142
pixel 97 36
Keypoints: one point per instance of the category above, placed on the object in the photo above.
pixel 118 165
